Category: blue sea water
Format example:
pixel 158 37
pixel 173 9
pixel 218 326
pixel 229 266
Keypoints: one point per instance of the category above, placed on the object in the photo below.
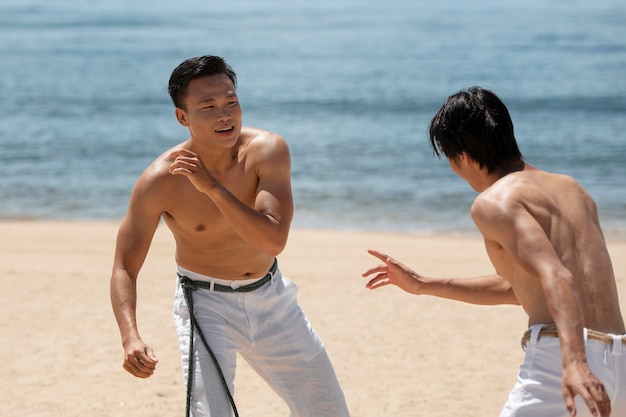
pixel 351 85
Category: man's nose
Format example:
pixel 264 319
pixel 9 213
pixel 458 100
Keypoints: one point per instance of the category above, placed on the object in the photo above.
pixel 224 114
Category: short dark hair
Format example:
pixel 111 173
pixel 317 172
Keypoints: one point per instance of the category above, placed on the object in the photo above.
pixel 202 66
pixel 475 121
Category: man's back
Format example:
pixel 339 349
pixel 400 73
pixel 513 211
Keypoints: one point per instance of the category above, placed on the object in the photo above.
pixel 568 218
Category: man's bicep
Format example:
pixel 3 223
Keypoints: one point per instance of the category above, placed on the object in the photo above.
pixel 274 196
pixel 519 234
pixel 133 242
pixel 136 230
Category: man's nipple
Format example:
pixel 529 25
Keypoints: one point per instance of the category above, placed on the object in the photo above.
pixel 200 228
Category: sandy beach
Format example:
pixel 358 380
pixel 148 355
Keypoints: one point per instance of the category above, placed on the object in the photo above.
pixel 395 354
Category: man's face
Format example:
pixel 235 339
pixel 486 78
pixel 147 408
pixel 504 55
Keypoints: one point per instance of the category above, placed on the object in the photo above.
pixel 212 111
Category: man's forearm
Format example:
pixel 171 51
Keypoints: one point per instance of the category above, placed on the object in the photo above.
pixel 123 301
pixel 258 229
pixel 484 290
pixel 567 315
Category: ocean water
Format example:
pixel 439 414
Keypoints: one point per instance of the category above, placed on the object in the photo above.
pixel 351 85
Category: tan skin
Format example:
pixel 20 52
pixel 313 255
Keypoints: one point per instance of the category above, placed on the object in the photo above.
pixel 543 237
pixel 224 193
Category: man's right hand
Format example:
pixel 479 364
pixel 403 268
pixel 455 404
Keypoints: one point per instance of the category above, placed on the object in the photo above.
pixel 578 380
pixel 139 359
pixel 393 272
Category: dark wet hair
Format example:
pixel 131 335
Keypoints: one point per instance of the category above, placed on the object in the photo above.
pixel 475 121
pixel 202 66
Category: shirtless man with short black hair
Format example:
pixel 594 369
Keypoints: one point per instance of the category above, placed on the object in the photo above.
pixel 225 194
pixel 543 237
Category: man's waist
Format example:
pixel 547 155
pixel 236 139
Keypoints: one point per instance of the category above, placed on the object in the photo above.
pixel 551 331
pixel 195 280
pixel 224 269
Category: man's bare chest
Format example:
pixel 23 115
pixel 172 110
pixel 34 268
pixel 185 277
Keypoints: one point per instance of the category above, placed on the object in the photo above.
pixel 192 210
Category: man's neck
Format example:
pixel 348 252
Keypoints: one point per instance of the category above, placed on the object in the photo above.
pixel 503 171
pixel 216 159
pixel 513 166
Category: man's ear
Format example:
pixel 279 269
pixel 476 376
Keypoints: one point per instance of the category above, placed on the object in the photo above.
pixel 181 116
pixel 465 159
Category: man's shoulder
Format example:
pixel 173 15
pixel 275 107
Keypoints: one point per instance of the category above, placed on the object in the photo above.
pixel 263 145
pixel 533 190
pixel 504 197
pixel 527 183
pixel 543 186
pixel 158 170
pixel 255 135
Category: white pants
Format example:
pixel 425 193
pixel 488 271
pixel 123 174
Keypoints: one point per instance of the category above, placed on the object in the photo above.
pixel 268 328
pixel 538 391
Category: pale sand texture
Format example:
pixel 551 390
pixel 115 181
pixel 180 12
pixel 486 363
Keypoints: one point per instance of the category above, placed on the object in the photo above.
pixel 395 354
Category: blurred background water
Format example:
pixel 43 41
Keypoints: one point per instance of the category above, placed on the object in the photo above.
pixel 351 85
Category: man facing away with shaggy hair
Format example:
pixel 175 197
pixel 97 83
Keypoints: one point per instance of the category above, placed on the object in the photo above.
pixel 543 237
